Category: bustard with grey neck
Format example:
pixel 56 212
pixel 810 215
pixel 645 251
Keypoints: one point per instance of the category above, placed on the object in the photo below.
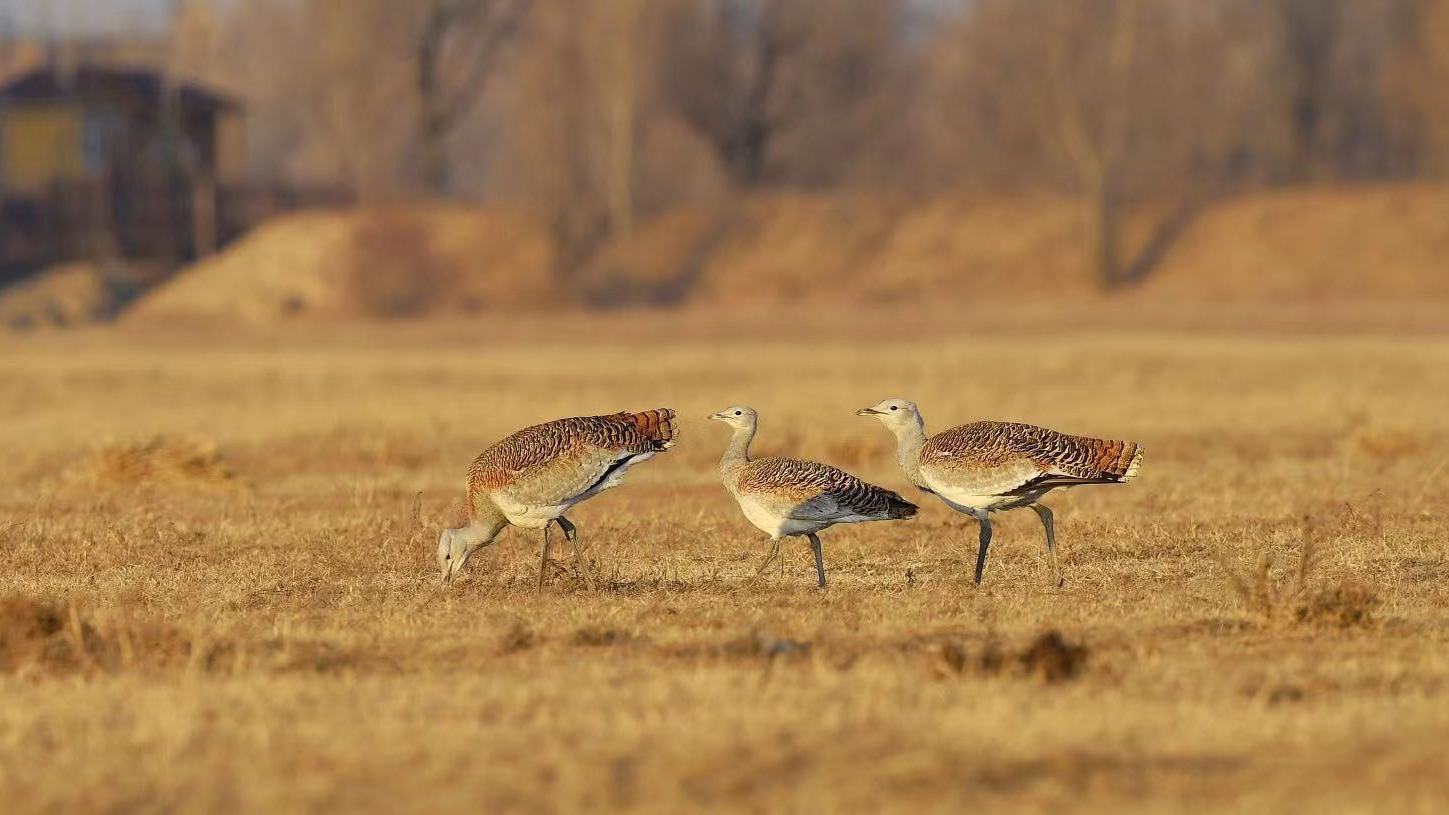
pixel 534 476
pixel 987 467
pixel 789 497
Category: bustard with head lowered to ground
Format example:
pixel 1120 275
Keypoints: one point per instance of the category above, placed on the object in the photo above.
pixel 534 476
pixel 986 467
pixel 790 497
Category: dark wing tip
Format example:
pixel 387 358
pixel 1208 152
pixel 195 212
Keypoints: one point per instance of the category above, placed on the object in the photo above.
pixel 901 508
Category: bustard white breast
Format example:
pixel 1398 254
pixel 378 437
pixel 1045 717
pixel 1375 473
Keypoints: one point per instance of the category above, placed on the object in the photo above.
pixel 986 467
pixel 534 476
pixel 786 496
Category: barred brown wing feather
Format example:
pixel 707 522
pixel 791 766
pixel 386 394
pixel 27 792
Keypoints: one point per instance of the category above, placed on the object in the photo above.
pixel 820 492
pixel 559 460
pixel 655 426
pixel 1006 458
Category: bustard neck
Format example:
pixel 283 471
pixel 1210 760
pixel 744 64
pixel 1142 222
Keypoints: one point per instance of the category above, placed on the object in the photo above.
pixel 910 437
pixel 737 453
pixel 484 524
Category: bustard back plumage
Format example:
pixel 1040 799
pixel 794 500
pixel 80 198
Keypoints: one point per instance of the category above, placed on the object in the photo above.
pixel 786 496
pixel 1009 459
pixel 531 478
pixel 986 467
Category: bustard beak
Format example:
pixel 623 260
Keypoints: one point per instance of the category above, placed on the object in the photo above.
pixel 867 412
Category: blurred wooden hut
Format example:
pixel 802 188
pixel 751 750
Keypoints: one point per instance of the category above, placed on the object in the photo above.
pixel 115 162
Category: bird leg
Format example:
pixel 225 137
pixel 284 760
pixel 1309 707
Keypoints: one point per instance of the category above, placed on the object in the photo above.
pixel 819 558
pixel 570 531
pixel 586 565
pixel 985 522
pixel 1048 523
pixel 543 558
pixel 774 550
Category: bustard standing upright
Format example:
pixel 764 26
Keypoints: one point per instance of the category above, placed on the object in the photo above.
pixel 534 476
pixel 786 496
pixel 986 467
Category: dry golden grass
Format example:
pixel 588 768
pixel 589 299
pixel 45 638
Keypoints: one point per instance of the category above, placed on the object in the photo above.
pixel 244 614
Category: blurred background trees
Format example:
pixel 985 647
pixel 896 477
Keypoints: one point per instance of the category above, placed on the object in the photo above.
pixel 601 114
pixel 1115 97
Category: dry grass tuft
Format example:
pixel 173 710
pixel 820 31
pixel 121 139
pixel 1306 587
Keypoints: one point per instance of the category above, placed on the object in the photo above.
pixel 1296 597
pixel 161 461
pixel 519 637
pixel 26 630
pixel 1386 445
pixel 1050 658
pixel 58 638
pixel 55 638
pixel 1347 603
pixel 765 644
pixel 593 635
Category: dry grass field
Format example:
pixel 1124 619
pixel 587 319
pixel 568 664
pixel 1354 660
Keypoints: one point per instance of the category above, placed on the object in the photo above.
pixel 217 590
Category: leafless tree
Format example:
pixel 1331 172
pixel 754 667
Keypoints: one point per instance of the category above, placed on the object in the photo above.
pixel 730 57
pixel 1416 84
pixel 457 46
pixel 779 88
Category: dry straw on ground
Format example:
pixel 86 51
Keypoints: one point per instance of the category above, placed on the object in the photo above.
pixel 290 648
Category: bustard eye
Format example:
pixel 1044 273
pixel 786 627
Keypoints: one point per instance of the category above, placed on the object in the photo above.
pixel 739 413
pixel 893 407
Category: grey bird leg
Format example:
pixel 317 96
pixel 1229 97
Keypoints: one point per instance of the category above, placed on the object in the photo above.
pixel 586 565
pixel 819 559
pixel 985 521
pixel 1047 521
pixel 543 558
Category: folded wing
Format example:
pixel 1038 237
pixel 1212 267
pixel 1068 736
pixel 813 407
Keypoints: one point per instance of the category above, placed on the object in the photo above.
pixel 1008 458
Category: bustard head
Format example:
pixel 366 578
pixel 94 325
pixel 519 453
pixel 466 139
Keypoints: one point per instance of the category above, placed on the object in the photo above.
pixel 455 546
pixel 894 413
pixel 737 416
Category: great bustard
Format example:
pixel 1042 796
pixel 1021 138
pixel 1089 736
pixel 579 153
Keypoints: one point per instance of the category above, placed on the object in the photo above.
pixel 786 496
pixel 986 467
pixel 534 476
